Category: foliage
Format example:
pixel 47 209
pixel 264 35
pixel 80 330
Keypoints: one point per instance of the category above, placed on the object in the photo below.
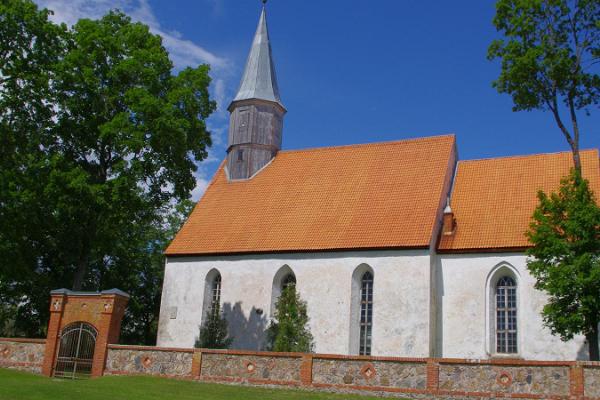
pixel 99 147
pixel 565 260
pixel 25 386
pixel 550 58
pixel 289 332
pixel 213 332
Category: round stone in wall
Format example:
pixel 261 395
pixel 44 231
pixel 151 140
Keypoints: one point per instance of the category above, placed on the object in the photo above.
pixel 250 367
pixel 504 379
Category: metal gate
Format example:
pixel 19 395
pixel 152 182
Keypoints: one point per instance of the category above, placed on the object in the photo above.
pixel 76 351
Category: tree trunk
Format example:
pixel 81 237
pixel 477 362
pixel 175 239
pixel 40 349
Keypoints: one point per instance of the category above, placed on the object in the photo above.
pixel 592 339
pixel 577 160
pixel 80 273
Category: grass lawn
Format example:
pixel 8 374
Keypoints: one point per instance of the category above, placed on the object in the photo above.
pixel 16 385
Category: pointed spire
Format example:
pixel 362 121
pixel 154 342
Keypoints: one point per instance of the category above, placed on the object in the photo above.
pixel 259 80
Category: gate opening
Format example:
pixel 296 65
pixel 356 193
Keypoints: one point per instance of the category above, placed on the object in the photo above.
pixel 76 351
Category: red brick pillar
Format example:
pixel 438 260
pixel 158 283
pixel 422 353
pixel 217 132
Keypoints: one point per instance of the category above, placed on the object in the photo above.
pixel 306 369
pixel 197 364
pixel 576 383
pixel 433 376
pixel 57 303
pixel 109 327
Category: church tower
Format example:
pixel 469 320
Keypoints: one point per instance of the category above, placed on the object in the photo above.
pixel 256 120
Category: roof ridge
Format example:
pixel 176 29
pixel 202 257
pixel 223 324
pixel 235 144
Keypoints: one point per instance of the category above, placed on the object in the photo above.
pixel 369 144
pixel 527 155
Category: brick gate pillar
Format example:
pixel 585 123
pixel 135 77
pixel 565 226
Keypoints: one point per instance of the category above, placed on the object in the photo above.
pixel 103 310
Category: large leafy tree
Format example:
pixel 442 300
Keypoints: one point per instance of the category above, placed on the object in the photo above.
pixel 565 260
pixel 99 145
pixel 289 331
pixel 550 58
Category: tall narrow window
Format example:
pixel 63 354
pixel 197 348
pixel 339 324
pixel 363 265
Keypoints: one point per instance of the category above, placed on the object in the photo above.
pixel 216 292
pixel 506 316
pixel 366 313
pixel 283 278
pixel 212 293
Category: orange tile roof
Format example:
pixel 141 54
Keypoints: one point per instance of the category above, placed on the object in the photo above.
pixel 493 200
pixel 380 195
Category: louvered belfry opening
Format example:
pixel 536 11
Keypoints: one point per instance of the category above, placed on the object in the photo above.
pixel 76 351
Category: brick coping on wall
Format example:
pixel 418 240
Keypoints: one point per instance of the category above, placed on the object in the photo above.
pixel 325 356
pixel 23 340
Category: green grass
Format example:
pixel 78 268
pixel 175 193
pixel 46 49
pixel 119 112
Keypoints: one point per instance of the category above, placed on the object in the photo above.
pixel 16 385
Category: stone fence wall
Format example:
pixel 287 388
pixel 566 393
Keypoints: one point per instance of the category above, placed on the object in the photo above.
pixel 22 354
pixel 406 377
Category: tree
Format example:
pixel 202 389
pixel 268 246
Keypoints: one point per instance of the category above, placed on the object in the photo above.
pixel 565 260
pixel 550 58
pixel 214 332
pixel 289 332
pixel 99 145
pixel 137 267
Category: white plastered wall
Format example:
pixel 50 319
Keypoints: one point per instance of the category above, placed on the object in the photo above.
pixel 466 328
pixel 324 280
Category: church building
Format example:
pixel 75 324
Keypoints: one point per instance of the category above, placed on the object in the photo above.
pixel 398 248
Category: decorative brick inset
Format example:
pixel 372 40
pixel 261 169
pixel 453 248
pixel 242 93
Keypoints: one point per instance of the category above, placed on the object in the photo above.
pixel 368 371
pixel 147 362
pixel 504 379
pixel 250 367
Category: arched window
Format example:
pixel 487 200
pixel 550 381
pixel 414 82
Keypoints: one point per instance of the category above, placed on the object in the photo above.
pixel 366 313
pixel 506 315
pixel 212 292
pixel 283 278
pixel 216 291
pixel 361 311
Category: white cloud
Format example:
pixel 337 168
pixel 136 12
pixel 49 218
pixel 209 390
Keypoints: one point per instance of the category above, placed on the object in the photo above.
pixel 183 52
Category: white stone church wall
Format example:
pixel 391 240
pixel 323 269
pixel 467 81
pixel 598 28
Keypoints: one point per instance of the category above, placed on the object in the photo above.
pixel 401 298
pixel 466 327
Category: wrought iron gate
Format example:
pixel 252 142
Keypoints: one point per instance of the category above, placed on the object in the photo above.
pixel 76 351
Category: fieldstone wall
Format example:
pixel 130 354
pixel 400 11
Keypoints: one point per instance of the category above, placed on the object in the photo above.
pixel 591 379
pixel 22 354
pixel 130 360
pixel 332 371
pixel 534 380
pixel 418 378
pixel 240 367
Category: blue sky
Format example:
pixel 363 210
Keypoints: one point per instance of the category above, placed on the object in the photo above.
pixel 354 71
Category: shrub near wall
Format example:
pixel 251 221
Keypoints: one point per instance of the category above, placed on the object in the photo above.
pixel 22 354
